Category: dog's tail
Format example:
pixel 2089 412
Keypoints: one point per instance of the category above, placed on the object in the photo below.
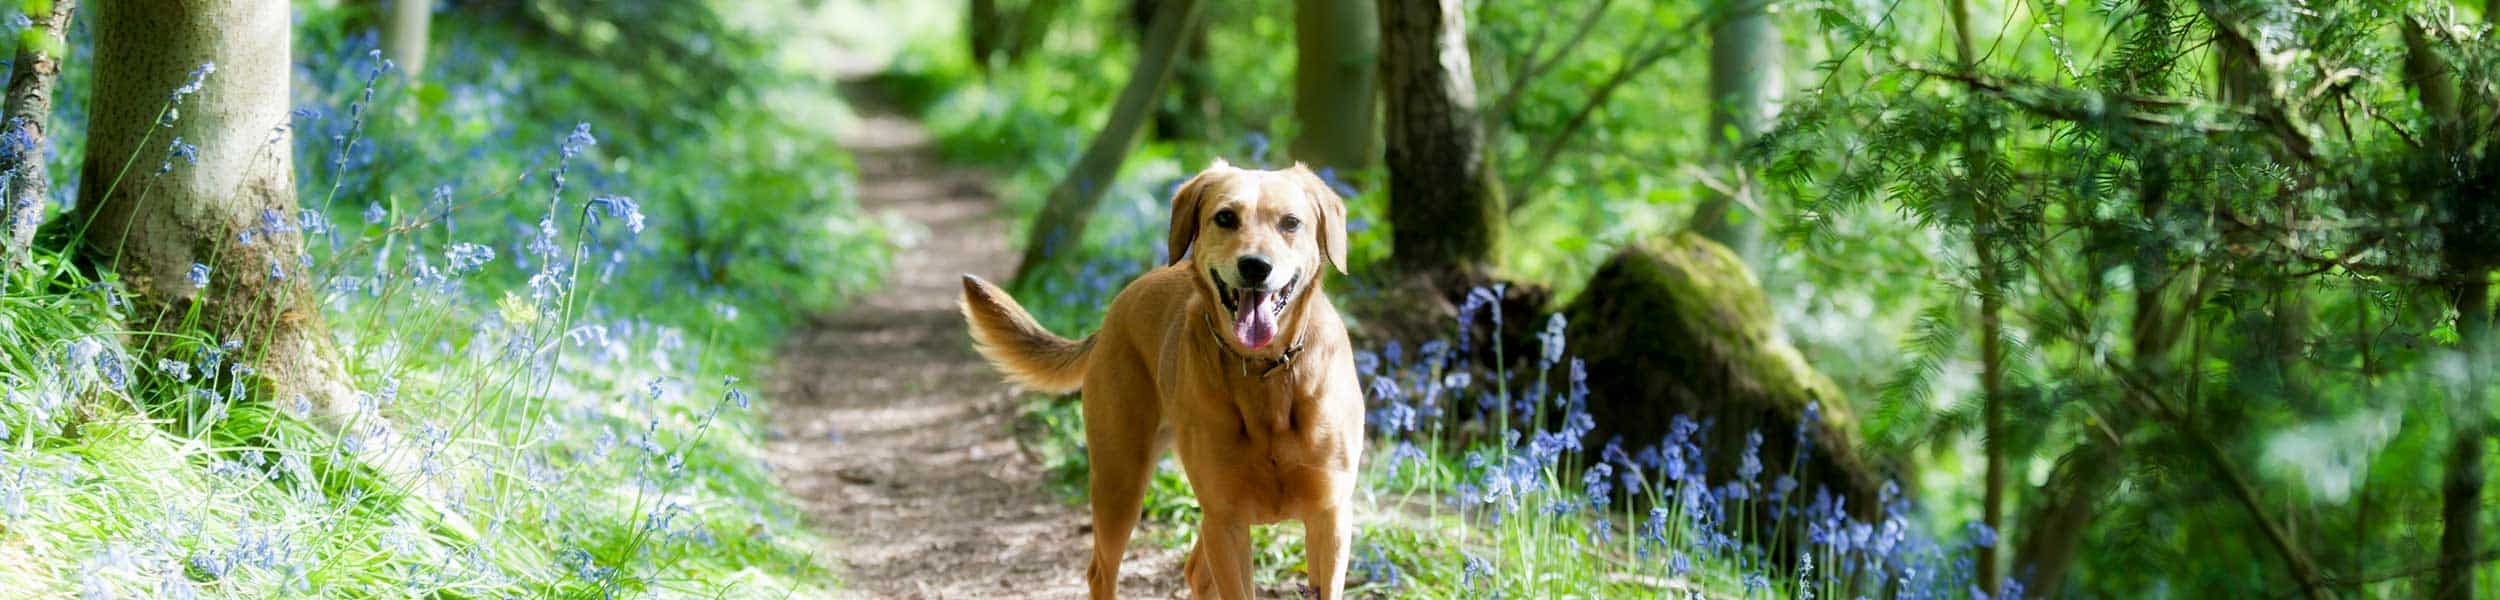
pixel 1030 355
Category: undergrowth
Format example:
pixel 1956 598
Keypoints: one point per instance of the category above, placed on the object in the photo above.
pixel 552 337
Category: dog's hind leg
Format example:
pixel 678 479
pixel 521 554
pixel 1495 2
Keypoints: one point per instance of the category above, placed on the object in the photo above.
pixel 1121 416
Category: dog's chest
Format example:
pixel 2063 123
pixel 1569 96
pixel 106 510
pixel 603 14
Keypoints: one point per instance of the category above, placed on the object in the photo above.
pixel 1269 416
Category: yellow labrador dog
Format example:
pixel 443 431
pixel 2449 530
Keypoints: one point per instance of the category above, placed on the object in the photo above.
pixel 1232 352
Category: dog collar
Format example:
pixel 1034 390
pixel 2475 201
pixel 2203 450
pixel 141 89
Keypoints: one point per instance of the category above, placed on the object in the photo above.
pixel 1267 367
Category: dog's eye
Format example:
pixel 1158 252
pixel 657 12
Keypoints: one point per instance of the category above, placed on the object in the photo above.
pixel 1290 224
pixel 1227 220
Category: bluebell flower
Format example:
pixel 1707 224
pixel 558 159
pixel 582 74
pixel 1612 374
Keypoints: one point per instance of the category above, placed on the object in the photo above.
pixel 1405 452
pixel 579 140
pixel 199 77
pixel 1981 535
pixel 1384 389
pixel 1750 465
pixel 1552 340
pixel 465 257
pixel 179 149
pixel 1598 481
pixel 1475 568
pixel 619 207
pixel 199 276
pixel 180 371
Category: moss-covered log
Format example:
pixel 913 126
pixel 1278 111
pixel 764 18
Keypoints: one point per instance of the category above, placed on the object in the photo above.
pixel 1677 325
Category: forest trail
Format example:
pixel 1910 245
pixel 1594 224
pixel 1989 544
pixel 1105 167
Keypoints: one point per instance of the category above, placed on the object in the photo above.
pixel 896 438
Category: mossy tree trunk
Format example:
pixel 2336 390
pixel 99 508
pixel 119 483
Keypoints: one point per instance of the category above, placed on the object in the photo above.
pixel 1445 207
pixel 32 78
pixel 1336 57
pixel 221 198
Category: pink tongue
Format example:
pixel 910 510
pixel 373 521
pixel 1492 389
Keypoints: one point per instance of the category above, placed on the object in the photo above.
pixel 1252 325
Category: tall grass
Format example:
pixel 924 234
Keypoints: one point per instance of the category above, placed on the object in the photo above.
pixel 550 339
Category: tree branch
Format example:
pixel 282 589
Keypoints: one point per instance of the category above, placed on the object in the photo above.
pixel 1668 45
pixel 2087 106
pixel 1535 68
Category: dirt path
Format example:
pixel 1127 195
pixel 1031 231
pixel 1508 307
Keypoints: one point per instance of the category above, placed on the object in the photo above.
pixel 898 439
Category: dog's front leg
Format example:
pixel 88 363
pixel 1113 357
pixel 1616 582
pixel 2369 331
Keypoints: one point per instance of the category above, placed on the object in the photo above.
pixel 1327 535
pixel 1222 557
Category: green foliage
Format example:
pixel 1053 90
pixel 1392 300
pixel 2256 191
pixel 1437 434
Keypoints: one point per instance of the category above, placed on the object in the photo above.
pixel 547 275
pixel 2223 278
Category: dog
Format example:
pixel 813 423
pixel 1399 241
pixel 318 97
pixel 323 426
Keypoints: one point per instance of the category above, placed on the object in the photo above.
pixel 1230 354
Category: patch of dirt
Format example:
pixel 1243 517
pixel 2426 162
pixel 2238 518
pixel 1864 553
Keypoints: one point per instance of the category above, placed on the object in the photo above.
pixel 898 440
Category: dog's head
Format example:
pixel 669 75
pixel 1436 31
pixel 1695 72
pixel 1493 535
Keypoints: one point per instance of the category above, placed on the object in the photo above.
pixel 1256 241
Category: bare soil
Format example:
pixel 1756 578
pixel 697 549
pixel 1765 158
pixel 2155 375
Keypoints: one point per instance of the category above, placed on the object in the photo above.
pixel 898 440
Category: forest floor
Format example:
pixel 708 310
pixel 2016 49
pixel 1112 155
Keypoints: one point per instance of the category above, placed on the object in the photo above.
pixel 897 439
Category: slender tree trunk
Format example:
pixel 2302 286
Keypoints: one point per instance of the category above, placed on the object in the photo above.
pixel 1978 164
pixel 2465 266
pixel 31 79
pixel 1336 56
pixel 2461 492
pixel 981 32
pixel 1032 25
pixel 1442 193
pixel 404 40
pixel 2066 504
pixel 1188 113
pixel 1747 77
pixel 225 202
pixel 1061 224
pixel 2093 469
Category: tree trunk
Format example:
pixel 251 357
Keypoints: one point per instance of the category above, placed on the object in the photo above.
pixel 981 32
pixel 1189 112
pixel 1978 164
pixel 1061 225
pixel 1746 80
pixel 31 79
pixel 2461 494
pixel 2466 260
pixel 1336 50
pixel 154 213
pixel 1445 208
pixel 2093 469
pixel 2067 502
pixel 404 40
pixel 1032 25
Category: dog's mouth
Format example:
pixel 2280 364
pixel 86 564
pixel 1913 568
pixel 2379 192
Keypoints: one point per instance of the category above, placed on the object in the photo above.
pixel 1255 311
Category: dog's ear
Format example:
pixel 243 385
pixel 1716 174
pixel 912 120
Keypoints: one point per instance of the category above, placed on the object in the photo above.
pixel 1331 210
pixel 1185 202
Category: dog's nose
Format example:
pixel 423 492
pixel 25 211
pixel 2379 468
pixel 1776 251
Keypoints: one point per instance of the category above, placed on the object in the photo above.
pixel 1253 270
